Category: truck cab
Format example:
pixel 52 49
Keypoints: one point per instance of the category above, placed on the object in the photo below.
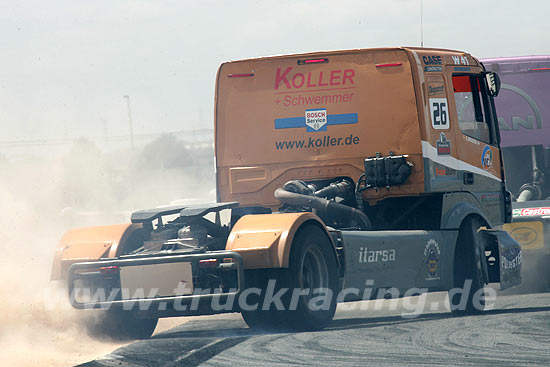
pixel 316 117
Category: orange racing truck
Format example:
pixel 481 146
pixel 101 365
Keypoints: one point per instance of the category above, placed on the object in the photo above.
pixel 341 176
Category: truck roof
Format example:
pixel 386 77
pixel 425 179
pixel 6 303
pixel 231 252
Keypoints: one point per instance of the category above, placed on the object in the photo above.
pixel 350 51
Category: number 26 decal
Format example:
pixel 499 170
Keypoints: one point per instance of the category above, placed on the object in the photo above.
pixel 439 113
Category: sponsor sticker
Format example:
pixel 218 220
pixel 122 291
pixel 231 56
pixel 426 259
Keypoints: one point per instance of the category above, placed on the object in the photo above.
pixel 291 79
pixel 440 171
pixel 432 255
pixel 530 212
pixel 316 119
pixel 487 158
pixel 525 235
pixel 439 113
pixel 460 60
pixel 443 171
pixel 433 69
pixel 432 60
pixel 436 89
pixel 473 141
pixel 511 258
pixel 376 256
pixel 530 235
pixel 443 145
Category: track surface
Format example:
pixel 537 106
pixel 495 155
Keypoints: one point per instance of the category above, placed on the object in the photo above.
pixel 515 332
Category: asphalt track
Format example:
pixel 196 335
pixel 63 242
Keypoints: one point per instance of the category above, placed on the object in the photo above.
pixel 516 332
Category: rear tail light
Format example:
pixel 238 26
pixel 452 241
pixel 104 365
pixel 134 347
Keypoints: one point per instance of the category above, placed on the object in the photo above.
pixel 208 263
pixel 539 69
pixel 109 270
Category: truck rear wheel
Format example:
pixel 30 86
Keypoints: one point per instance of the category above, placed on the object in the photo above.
pixel 256 318
pixel 313 266
pixel 312 283
pixel 468 269
pixel 119 324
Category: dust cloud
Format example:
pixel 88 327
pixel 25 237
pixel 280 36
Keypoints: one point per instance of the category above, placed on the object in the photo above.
pixel 42 197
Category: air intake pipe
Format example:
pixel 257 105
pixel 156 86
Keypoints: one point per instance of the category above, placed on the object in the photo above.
pixel 325 208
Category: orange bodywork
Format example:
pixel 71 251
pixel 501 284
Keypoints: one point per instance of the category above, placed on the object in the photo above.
pixel 378 100
pixel 264 240
pixel 90 244
pixel 253 153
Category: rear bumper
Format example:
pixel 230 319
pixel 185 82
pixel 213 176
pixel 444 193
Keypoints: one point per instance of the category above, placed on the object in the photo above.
pixel 90 273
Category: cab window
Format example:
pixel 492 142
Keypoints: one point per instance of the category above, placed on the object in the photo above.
pixel 472 105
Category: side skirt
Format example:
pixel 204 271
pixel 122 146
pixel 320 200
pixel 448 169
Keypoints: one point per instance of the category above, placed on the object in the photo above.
pixel 397 263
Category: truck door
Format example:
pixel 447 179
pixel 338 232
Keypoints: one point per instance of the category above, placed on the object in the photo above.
pixel 477 146
pixel 441 136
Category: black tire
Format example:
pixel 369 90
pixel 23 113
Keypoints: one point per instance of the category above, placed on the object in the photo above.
pixel 468 266
pixel 312 266
pixel 121 325
pixel 257 318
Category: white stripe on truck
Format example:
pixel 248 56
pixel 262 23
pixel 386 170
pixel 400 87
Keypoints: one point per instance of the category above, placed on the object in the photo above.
pixel 430 153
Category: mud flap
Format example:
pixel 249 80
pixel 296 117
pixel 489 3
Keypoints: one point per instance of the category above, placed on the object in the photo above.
pixel 509 262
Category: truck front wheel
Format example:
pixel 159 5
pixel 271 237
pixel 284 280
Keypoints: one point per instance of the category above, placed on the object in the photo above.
pixel 468 295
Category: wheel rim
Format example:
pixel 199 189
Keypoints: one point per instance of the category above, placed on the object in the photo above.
pixel 314 271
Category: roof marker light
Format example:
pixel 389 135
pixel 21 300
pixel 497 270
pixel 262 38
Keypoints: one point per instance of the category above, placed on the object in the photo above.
pixel 208 263
pixel 312 61
pixel 244 75
pixel 388 65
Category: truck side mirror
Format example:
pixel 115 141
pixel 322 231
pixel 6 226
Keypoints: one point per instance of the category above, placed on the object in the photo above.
pixel 493 83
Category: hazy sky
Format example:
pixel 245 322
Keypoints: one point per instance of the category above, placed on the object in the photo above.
pixel 66 65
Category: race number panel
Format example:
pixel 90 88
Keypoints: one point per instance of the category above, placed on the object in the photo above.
pixel 439 113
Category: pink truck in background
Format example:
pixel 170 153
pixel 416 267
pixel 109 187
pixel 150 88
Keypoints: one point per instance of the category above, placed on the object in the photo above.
pixel 523 108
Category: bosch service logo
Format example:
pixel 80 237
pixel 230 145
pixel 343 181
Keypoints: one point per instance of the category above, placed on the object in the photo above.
pixel 487 157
